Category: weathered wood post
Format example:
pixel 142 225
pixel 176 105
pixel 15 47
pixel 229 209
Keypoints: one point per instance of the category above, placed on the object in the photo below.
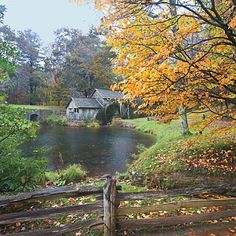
pixel 109 201
pixel 113 207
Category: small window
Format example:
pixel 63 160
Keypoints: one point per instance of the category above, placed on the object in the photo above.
pixel 75 109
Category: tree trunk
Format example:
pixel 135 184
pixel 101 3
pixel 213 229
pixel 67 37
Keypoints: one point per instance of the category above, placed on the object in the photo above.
pixel 182 111
pixel 120 103
pixel 105 115
pixel 31 91
pixel 183 121
pixel 128 110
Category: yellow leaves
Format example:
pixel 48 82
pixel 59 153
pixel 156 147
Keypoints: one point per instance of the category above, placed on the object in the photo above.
pixel 187 26
pixel 227 81
pixel 233 23
pixel 100 4
pixel 164 69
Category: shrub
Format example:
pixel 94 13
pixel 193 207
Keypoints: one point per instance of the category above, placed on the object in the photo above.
pixel 92 124
pixel 21 174
pixel 55 119
pixel 72 173
pixel 52 177
pixel 14 129
pixel 122 176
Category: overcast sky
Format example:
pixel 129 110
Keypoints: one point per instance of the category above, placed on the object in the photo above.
pixel 45 16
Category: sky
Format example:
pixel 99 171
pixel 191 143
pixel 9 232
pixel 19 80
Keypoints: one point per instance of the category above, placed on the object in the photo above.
pixel 46 16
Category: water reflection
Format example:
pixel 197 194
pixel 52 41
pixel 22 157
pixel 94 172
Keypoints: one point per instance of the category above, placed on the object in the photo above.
pixel 99 150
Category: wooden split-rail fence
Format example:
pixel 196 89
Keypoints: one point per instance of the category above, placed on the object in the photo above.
pixel 111 216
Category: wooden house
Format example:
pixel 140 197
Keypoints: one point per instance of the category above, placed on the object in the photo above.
pixel 88 108
pixel 106 97
pixel 82 109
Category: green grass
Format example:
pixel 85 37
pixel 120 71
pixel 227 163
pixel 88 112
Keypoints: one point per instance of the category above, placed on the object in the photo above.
pixel 167 136
pixel 35 107
pixel 163 132
pixel 128 187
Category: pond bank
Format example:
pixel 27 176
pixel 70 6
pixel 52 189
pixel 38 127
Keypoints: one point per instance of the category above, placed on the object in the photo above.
pixel 84 124
pixel 177 161
pixel 61 120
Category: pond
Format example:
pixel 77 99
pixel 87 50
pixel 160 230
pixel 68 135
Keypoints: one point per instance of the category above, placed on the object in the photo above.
pixel 104 150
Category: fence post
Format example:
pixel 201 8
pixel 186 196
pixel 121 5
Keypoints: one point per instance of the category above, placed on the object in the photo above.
pixel 109 201
pixel 113 207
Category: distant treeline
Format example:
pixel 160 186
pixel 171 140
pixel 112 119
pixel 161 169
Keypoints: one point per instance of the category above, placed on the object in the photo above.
pixel 71 65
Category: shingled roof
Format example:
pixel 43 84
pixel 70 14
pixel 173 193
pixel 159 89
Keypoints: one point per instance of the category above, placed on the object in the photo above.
pixel 106 93
pixel 86 103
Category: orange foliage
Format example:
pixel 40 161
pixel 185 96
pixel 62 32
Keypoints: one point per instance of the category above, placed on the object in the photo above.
pixel 171 59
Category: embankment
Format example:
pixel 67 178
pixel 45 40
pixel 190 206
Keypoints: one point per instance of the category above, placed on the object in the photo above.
pixel 179 161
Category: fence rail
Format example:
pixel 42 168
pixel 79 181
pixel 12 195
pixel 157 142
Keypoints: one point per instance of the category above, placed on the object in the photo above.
pixel 111 216
pixel 48 194
pixel 176 220
pixel 174 206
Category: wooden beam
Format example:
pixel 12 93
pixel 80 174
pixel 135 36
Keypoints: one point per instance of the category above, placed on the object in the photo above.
pixel 113 207
pixel 49 193
pixel 110 206
pixel 62 230
pixel 222 228
pixel 107 209
pixel 175 220
pixel 176 206
pixel 188 192
pixel 47 213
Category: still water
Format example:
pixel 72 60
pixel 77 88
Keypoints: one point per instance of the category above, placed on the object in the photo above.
pixel 99 150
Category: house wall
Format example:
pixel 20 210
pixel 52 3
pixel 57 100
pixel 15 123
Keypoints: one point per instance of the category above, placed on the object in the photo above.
pixel 81 113
pixel 70 110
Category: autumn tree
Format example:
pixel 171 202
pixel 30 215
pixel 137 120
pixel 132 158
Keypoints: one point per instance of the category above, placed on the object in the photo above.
pixel 172 60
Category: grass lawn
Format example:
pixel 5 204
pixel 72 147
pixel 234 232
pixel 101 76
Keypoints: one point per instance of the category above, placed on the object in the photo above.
pixel 36 107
